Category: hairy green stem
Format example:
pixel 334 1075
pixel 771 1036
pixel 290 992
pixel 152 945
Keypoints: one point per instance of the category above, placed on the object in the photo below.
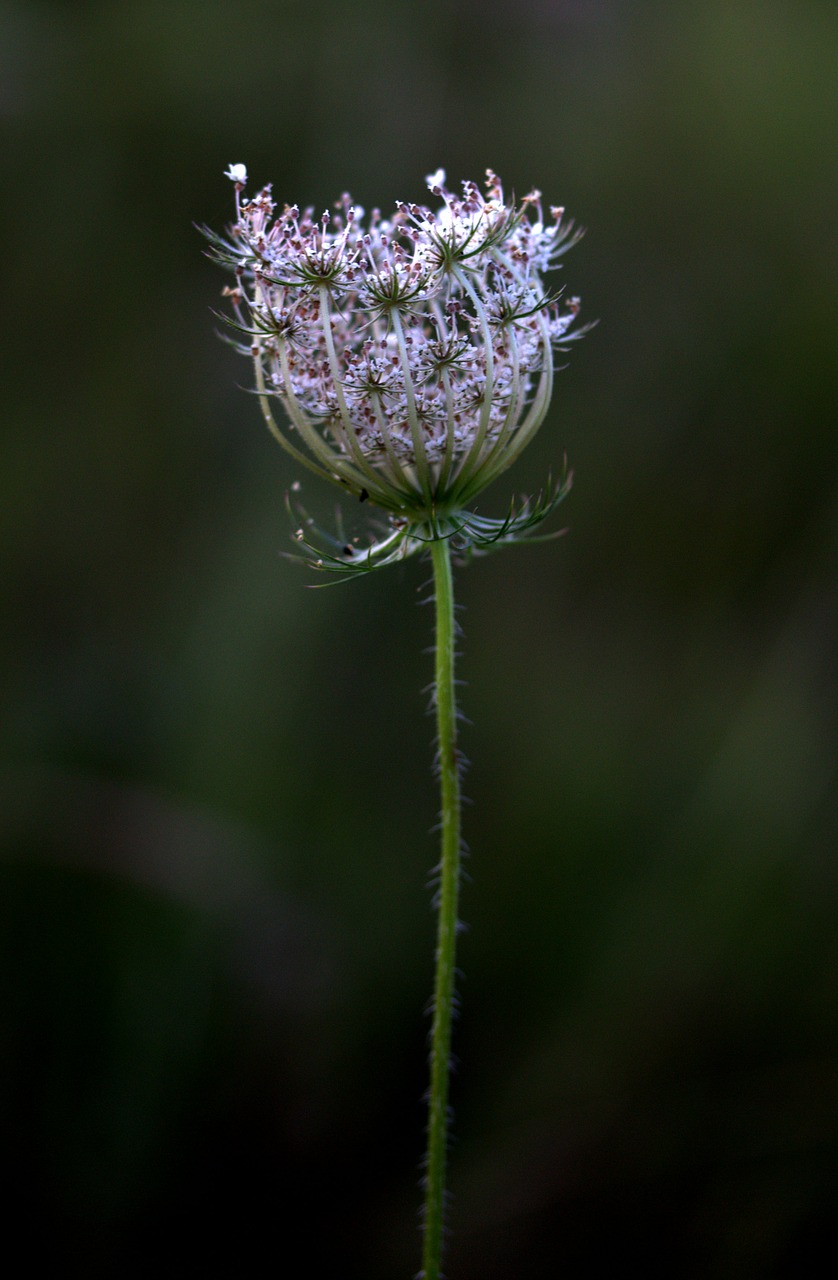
pixel 449 877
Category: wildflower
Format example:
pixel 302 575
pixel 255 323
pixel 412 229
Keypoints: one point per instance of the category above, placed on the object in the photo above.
pixel 413 356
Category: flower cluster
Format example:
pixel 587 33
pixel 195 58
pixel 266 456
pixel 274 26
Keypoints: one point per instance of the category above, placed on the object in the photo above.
pixel 412 354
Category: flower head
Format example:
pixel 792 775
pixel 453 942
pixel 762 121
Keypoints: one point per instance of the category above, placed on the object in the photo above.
pixel 413 356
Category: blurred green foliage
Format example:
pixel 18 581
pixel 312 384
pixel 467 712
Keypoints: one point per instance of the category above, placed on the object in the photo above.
pixel 216 796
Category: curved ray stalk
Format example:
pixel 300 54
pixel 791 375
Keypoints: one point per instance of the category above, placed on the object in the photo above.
pixel 535 417
pixel 470 462
pixel 450 426
pixel 338 465
pixel 397 466
pixel 422 468
pixel 395 498
pixel 279 436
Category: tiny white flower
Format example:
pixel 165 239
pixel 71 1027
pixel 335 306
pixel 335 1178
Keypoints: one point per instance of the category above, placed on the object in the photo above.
pixel 436 179
pixel 237 173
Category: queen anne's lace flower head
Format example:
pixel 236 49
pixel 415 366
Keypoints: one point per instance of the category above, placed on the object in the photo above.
pixel 413 356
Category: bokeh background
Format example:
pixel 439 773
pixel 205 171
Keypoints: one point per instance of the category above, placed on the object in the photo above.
pixel 216 795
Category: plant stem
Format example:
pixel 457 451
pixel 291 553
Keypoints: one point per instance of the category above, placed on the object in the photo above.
pixel 449 877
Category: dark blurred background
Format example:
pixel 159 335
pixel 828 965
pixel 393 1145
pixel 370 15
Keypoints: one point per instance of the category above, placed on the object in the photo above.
pixel 216 794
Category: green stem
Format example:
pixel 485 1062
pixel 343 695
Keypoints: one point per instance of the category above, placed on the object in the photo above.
pixel 446 719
